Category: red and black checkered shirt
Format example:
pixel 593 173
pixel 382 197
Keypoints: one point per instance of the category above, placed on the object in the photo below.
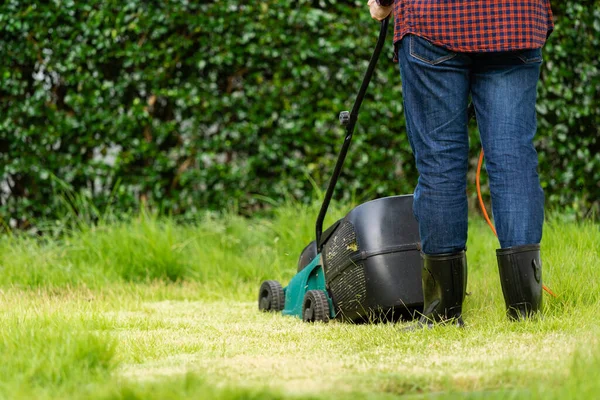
pixel 475 25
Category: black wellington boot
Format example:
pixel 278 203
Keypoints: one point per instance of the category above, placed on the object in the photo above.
pixel 444 279
pixel 521 277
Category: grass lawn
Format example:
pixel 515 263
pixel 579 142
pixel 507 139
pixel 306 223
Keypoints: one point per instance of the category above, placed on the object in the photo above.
pixel 145 308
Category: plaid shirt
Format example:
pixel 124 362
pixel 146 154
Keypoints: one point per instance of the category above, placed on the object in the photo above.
pixel 474 25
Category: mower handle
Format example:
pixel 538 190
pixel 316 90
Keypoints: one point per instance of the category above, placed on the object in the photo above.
pixel 348 119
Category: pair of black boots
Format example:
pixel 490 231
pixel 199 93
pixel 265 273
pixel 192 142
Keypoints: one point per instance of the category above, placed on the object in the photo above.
pixel 444 279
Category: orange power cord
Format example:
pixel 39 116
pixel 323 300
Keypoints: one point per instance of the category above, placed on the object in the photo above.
pixel 485 214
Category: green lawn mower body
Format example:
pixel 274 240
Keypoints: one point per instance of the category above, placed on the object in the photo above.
pixel 311 277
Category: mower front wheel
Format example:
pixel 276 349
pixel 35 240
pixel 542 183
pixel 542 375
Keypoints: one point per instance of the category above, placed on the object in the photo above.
pixel 315 307
pixel 271 296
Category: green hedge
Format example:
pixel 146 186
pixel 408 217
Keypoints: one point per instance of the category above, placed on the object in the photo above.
pixel 189 105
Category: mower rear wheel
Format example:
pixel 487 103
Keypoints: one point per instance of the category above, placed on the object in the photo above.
pixel 315 307
pixel 271 296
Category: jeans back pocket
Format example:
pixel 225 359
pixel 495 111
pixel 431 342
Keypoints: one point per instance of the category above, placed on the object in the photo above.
pixel 422 49
pixel 530 56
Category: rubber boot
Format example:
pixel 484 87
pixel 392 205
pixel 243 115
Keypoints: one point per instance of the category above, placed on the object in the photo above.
pixel 444 279
pixel 521 277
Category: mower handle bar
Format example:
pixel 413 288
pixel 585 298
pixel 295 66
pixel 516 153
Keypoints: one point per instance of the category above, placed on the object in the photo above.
pixel 349 121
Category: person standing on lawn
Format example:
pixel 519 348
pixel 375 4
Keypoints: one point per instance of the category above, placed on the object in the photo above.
pixel 490 51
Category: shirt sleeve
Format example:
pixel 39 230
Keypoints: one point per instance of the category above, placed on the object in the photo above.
pixel 385 3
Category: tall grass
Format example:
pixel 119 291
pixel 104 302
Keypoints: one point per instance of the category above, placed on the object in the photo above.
pixel 229 254
pixel 220 251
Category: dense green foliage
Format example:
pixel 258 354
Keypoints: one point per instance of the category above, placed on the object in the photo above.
pixel 187 105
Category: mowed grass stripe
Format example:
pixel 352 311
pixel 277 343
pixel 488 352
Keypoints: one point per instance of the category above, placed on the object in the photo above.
pixel 230 344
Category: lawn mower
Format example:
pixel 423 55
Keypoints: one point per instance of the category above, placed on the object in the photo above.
pixel 365 267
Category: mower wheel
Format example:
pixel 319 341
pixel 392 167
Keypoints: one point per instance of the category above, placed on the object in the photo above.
pixel 315 307
pixel 270 296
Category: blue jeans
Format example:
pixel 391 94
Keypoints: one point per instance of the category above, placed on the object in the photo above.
pixel 436 85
